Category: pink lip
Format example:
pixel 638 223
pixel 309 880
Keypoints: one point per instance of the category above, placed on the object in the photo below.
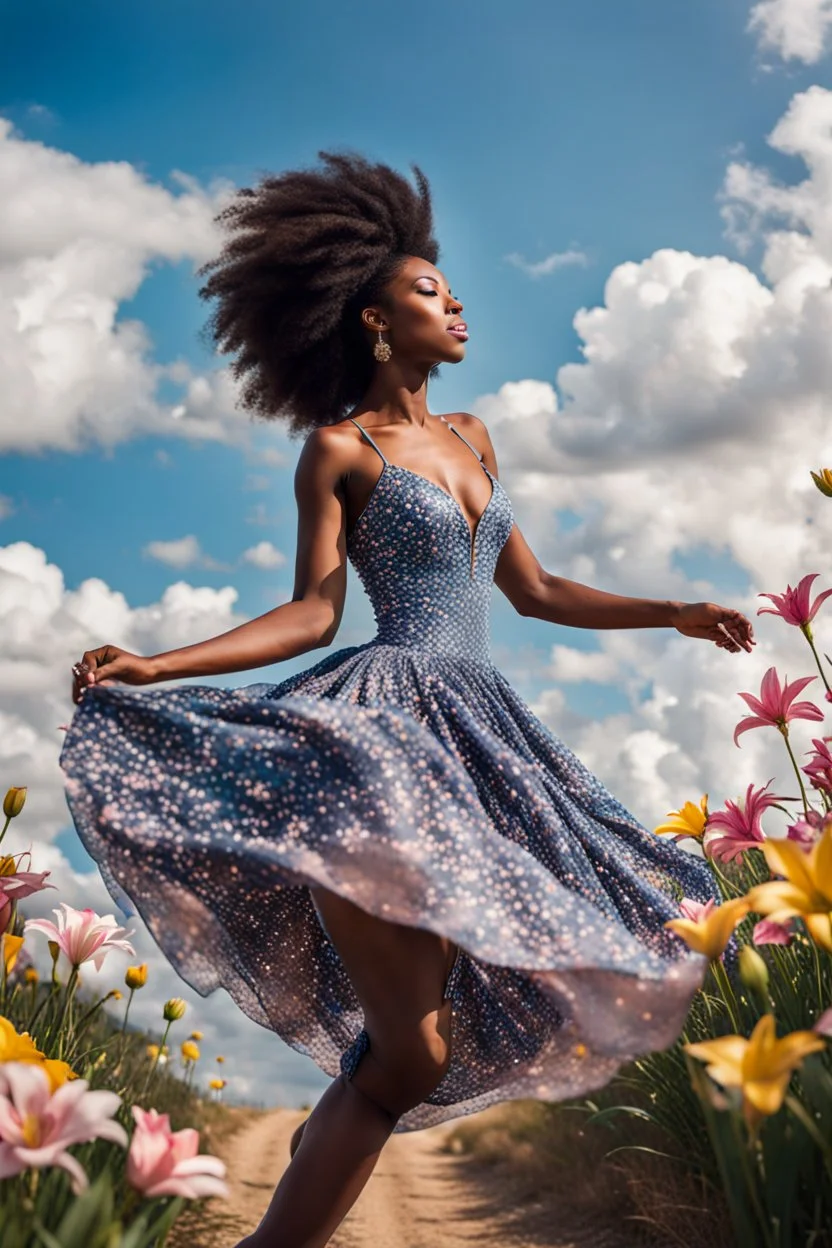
pixel 460 332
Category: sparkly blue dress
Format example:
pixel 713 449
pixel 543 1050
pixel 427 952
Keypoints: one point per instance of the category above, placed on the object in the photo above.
pixel 407 775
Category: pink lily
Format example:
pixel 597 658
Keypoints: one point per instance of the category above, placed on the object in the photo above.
pixel 16 884
pixel 809 829
pixel 767 932
pixel 83 935
pixel 823 1023
pixel 696 910
pixel 793 606
pixel 38 1125
pixel 740 825
pixel 819 770
pixel 162 1162
pixel 776 706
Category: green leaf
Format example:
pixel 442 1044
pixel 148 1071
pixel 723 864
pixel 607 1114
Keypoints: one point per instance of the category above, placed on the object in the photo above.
pixel 604 1115
pixel 88 1215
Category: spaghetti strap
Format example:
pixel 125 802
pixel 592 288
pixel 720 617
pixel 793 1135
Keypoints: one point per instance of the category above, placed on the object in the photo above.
pixel 367 436
pixel 465 440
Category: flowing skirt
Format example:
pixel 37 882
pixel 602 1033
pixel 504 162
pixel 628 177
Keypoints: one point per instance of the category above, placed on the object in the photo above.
pixel 422 788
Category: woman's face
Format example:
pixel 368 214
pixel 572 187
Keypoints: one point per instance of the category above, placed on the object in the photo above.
pixel 420 318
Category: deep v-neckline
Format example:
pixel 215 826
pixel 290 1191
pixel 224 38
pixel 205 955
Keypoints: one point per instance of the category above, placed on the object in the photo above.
pixel 472 533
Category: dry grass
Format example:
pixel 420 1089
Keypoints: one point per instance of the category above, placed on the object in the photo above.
pixel 560 1171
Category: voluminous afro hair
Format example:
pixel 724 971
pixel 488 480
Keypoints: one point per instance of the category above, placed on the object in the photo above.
pixel 307 250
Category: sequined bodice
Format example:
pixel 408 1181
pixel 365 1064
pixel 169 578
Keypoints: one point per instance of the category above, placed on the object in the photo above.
pixel 428 579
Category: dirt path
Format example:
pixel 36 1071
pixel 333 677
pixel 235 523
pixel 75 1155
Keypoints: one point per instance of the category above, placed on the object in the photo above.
pixel 417 1197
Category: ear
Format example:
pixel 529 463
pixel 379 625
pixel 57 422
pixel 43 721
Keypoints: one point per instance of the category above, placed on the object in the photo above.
pixel 373 319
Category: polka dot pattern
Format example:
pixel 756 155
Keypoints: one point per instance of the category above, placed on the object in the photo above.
pixel 407 775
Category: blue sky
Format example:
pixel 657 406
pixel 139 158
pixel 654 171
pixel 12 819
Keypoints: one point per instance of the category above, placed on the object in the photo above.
pixel 596 127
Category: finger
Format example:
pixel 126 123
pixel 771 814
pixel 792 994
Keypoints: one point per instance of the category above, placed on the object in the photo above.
pixel 732 630
pixel 743 629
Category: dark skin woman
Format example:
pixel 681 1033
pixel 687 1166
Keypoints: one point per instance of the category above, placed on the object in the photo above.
pixel 398 972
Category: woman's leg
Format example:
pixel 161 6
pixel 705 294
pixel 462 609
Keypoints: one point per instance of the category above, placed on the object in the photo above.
pixel 399 975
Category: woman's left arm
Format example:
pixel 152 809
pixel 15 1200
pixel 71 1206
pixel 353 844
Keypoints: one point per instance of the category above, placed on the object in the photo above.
pixel 534 592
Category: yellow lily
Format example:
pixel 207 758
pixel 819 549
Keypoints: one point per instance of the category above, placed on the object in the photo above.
pixel 15 1047
pixel 710 935
pixel 823 480
pixel 761 1065
pixel 689 821
pixel 807 889
pixel 58 1072
pixel 10 947
pixel 20 1047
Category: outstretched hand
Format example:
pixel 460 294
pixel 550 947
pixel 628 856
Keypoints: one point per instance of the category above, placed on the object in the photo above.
pixel 727 628
pixel 107 664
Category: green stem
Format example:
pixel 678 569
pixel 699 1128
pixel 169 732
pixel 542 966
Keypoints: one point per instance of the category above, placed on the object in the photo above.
pixel 721 977
pixel 800 1113
pixel 122 1039
pixel 70 988
pixel 156 1059
pixel 806 630
pixel 5 826
pixel 784 730
pixel 818 973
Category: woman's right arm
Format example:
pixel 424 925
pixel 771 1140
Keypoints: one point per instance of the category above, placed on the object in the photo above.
pixel 311 620
pixel 308 622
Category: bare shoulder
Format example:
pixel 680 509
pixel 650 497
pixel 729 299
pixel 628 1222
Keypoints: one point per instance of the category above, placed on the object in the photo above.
pixel 327 451
pixel 476 431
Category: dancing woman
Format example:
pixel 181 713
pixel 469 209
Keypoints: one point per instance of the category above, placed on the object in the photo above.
pixel 386 859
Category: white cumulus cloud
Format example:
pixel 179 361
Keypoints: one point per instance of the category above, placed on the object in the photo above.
pixel 264 555
pixel 77 240
pixel 795 29
pixel 44 628
pixel 183 552
pixel 687 432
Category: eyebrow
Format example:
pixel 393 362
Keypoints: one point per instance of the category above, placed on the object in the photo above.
pixel 425 278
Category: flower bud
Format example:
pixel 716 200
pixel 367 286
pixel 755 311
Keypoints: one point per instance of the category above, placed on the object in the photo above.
pixel 14 801
pixel 136 976
pixel 220 1059
pixel 173 1009
pixel 55 950
pixel 114 994
pixel 823 480
pixel 195 1035
pixel 753 971
pixel 30 975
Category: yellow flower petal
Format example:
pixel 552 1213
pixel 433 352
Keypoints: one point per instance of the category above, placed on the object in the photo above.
pixel 11 946
pixel 767 1095
pixel 711 934
pixel 17 1048
pixel 819 927
pixel 689 820
pixel 58 1072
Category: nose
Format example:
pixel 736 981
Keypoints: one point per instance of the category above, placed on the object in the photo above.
pixel 456 304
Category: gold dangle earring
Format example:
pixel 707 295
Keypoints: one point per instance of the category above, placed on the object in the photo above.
pixel 381 350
